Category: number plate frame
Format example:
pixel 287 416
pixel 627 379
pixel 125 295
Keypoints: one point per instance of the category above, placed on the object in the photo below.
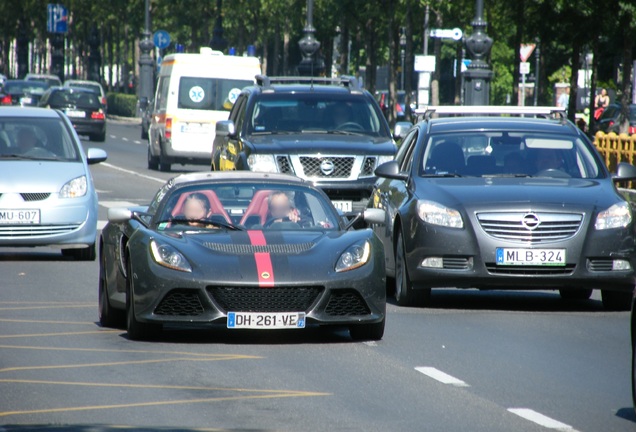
pixel 531 257
pixel 19 216
pixel 265 320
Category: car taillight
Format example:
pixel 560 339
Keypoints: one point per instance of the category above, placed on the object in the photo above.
pixel 104 101
pixel 6 100
pixel 97 115
pixel 168 127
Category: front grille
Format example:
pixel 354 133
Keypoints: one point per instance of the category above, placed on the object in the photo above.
pixel 24 231
pixel 35 196
pixel 530 270
pixel 531 228
pixel 180 302
pixel 284 165
pixel 246 249
pixel 346 303
pixel 457 263
pixel 368 166
pixel 600 265
pixel 339 166
pixel 254 299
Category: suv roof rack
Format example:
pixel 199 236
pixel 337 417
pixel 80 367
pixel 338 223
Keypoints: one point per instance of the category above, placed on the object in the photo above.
pixel 348 81
pixel 491 110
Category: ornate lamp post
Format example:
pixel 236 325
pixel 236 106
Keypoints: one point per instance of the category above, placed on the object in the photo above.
pixel 309 45
pixel 218 43
pixel 146 64
pixel 478 76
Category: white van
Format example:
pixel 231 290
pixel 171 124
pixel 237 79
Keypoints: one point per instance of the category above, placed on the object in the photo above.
pixel 194 91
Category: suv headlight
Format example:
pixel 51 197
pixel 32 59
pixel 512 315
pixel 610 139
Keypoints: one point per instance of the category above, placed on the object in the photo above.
pixel 262 163
pixel 355 256
pixel 75 188
pixel 167 256
pixel 437 214
pixel 617 216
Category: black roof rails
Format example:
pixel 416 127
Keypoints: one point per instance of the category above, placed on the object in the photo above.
pixel 348 81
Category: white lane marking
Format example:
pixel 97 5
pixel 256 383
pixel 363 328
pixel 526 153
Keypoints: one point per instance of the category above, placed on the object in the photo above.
pixel 124 139
pixel 540 419
pixel 440 376
pixel 112 136
pixel 111 204
pixel 137 142
pixel 132 172
pixel 371 343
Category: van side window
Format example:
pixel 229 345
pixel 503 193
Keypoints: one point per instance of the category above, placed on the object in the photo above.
pixel 162 94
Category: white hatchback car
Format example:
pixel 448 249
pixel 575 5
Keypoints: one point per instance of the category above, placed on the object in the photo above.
pixel 47 196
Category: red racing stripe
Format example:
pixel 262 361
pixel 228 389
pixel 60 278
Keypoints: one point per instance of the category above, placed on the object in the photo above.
pixel 263 260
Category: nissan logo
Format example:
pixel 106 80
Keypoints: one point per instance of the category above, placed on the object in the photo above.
pixel 327 167
pixel 531 221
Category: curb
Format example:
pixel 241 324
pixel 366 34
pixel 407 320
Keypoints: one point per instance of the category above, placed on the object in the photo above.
pixel 131 120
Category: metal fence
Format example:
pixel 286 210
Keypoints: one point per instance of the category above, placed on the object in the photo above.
pixel 616 148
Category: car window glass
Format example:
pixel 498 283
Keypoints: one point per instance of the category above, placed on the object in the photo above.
pixel 37 139
pixel 162 94
pixel 406 150
pixel 215 94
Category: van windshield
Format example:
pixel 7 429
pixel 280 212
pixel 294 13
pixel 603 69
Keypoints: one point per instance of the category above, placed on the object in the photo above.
pixel 215 94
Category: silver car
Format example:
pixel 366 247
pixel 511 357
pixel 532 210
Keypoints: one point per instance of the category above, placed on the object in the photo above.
pixel 47 196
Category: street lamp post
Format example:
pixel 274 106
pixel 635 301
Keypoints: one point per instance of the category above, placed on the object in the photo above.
pixel 402 58
pixel 309 45
pixel 218 42
pixel 478 76
pixel 146 64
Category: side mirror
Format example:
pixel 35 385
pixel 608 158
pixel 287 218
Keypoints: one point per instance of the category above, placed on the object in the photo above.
pixel 226 128
pixel 119 214
pixel 624 172
pixel 400 130
pixel 374 216
pixel 390 170
pixel 95 155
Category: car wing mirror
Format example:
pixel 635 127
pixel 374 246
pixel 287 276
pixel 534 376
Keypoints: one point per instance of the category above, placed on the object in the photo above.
pixel 95 155
pixel 390 170
pixel 624 172
pixel 226 128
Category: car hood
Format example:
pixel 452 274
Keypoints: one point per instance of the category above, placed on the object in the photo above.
pixel 323 143
pixel 37 176
pixel 487 192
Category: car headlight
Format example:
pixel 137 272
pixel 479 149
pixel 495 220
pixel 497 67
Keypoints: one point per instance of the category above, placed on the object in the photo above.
pixel 437 214
pixel 355 256
pixel 75 188
pixel 168 256
pixel 262 163
pixel 617 216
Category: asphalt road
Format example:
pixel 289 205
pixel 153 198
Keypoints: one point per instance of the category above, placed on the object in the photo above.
pixel 474 361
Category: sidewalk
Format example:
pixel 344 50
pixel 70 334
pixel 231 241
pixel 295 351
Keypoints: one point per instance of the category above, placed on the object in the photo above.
pixel 127 120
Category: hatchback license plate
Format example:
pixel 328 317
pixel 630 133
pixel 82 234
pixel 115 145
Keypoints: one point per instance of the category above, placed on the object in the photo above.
pixel 263 320
pixel 531 257
pixel 75 114
pixel 12 217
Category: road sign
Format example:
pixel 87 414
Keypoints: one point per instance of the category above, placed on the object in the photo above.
pixel 161 39
pixel 424 63
pixel 455 33
pixel 56 18
pixel 525 51
pixel 524 68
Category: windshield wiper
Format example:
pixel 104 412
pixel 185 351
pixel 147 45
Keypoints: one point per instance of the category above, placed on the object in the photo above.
pixel 205 221
pixel 27 157
pixel 344 132
pixel 512 175
pixel 442 175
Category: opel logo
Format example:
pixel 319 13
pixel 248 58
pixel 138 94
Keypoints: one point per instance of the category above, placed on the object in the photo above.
pixel 531 221
pixel 327 167
pixel 265 275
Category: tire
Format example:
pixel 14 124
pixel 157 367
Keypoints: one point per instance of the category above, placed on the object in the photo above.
pixel 136 330
pixel 616 300
pixel 363 332
pixel 153 161
pixel 144 133
pixel 100 137
pixel 164 166
pixel 405 295
pixel 575 294
pixel 84 254
pixel 108 317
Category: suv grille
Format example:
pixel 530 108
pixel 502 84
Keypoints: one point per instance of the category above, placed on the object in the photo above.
pixel 528 227
pixel 283 165
pixel 368 166
pixel 254 299
pixel 338 167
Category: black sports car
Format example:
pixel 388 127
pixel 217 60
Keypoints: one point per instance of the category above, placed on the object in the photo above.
pixel 508 203
pixel 248 250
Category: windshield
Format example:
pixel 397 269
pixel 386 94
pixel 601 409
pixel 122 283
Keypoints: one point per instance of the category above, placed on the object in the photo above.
pixel 245 206
pixel 510 154
pixel 70 98
pixel 316 112
pixel 36 139
pixel 15 87
pixel 215 94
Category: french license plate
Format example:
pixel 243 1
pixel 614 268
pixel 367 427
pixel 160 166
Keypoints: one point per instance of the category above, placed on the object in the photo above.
pixel 75 113
pixel 344 206
pixel 263 320
pixel 10 217
pixel 196 128
pixel 531 257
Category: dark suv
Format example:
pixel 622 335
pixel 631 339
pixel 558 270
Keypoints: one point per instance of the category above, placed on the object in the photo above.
pixel 329 131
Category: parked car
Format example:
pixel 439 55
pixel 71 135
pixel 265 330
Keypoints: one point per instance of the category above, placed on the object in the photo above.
pixel 507 203
pixel 47 196
pixel 328 131
pixel 21 92
pixel 82 107
pixel 90 85
pixel 385 104
pixel 50 80
pixel 245 250
pixel 611 119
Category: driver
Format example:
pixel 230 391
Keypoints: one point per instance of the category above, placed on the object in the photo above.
pixel 280 209
pixel 548 159
pixel 195 208
pixel 341 114
pixel 26 140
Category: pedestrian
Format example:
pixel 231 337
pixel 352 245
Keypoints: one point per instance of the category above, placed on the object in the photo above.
pixel 601 101
pixel 564 99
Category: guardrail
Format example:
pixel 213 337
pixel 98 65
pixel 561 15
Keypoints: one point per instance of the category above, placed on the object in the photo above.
pixel 616 148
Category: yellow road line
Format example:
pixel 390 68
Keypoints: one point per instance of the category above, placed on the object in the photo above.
pixel 46 307
pixel 134 351
pixel 57 334
pixel 47 321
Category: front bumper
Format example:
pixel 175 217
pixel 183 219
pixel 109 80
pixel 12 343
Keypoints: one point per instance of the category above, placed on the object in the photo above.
pixel 89 127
